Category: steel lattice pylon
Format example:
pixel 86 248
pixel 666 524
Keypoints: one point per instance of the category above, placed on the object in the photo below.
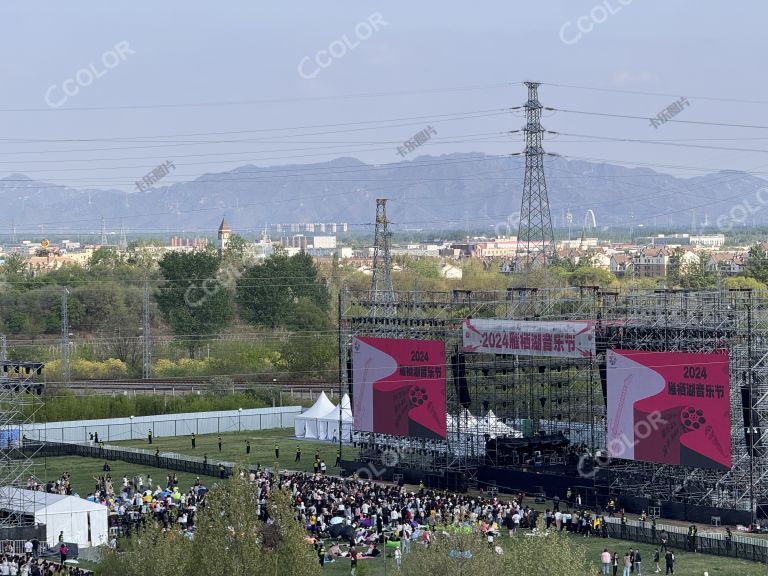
pixel 382 291
pixel 535 238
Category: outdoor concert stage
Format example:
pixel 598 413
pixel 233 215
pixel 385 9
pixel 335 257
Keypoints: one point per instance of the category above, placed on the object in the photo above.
pixel 657 397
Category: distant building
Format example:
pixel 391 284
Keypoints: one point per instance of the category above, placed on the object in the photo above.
pixel 650 263
pixel 224 234
pixel 705 240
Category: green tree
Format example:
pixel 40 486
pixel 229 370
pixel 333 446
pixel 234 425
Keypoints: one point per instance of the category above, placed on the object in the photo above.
pixel 235 250
pixel 675 270
pixel 461 551
pixel 192 300
pixel 743 282
pixel 757 264
pixel 151 550
pixel 697 273
pixel 267 293
pixel 533 556
pixel 589 276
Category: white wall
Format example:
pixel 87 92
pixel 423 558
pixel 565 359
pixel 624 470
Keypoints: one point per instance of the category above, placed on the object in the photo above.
pixel 165 425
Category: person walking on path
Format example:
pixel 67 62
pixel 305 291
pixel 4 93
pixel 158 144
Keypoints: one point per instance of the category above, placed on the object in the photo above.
pixel 194 441
pixel 219 442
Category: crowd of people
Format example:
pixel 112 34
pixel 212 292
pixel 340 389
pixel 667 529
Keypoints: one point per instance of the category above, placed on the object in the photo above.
pixel 28 564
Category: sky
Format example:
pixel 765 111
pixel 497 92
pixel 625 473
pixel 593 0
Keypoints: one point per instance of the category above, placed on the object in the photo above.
pixel 98 94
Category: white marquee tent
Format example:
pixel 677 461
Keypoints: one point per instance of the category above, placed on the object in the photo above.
pixel 330 422
pixel 83 523
pixel 308 424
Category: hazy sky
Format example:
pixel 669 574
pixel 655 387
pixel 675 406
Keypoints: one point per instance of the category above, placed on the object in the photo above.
pixel 122 87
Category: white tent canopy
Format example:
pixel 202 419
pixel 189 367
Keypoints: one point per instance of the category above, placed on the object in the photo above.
pixel 330 422
pixel 495 427
pixel 84 523
pixel 306 425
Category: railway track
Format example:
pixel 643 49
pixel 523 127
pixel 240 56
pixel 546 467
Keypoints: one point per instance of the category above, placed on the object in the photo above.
pixel 191 385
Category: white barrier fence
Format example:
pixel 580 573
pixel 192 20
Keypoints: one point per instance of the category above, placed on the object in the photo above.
pixel 164 425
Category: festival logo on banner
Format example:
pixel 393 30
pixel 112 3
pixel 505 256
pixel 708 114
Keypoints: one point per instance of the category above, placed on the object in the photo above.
pixel 529 338
pixel 399 386
pixel 669 407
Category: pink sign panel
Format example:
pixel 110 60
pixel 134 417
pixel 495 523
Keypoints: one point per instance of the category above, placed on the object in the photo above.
pixel 669 407
pixel 398 386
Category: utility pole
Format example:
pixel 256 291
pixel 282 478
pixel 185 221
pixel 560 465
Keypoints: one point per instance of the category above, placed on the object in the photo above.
pixel 64 337
pixel 147 340
pixel 382 291
pixel 536 241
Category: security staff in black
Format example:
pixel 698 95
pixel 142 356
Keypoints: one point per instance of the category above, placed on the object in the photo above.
pixel 277 451
pixel 298 454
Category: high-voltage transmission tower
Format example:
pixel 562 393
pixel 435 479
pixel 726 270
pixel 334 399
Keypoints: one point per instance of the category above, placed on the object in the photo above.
pixel 64 336
pixel 146 336
pixel 536 243
pixel 382 291
pixel 103 232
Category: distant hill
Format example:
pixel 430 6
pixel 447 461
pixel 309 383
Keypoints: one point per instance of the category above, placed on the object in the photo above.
pixel 449 191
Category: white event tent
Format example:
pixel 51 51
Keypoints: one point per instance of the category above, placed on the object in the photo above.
pixel 330 422
pixel 308 424
pixel 84 523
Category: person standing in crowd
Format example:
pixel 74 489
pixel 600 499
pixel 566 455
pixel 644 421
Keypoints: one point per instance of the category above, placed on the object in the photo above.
pixel 398 557
pixel 656 561
pixel 194 441
pixel 615 563
pixel 627 564
pixel 63 552
pixel 298 454
pixel 669 559
pixel 353 564
pixel 277 451
pixel 631 561
pixel 638 562
pixel 663 538
pixel 247 446
pixel 218 439
pixel 605 559
pixel 149 436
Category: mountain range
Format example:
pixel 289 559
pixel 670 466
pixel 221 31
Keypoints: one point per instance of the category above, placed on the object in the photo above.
pixel 454 191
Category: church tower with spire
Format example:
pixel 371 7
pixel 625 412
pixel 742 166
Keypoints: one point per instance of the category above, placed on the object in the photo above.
pixel 224 233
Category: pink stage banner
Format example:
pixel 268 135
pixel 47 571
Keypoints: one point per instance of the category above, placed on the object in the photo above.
pixel 529 338
pixel 669 407
pixel 398 386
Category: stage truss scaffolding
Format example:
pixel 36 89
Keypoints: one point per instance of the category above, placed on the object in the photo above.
pixel 537 395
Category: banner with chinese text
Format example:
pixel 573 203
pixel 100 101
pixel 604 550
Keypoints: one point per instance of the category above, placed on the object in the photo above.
pixel 398 386
pixel 529 338
pixel 669 407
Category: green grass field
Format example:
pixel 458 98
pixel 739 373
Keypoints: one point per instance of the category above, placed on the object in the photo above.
pixel 262 448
